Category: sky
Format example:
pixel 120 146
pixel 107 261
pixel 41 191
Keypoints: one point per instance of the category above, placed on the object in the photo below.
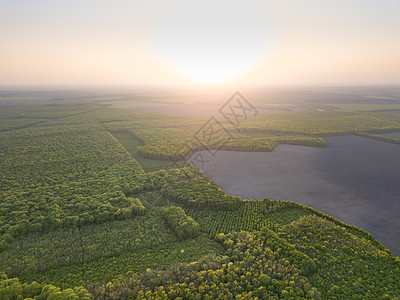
pixel 261 42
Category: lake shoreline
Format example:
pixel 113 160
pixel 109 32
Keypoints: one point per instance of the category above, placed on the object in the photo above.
pixel 351 179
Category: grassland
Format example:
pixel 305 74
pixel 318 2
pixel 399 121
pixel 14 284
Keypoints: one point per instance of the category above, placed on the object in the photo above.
pixel 131 143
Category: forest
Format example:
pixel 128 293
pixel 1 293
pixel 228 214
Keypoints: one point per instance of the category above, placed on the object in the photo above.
pixel 98 202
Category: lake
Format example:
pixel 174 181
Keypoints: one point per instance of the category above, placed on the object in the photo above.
pixel 354 179
pixel 395 135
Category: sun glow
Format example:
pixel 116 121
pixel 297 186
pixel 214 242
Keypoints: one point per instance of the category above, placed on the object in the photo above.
pixel 211 41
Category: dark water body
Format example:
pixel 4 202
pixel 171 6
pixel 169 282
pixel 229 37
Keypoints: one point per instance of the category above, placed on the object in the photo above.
pixel 354 179
pixel 395 135
pixel 390 111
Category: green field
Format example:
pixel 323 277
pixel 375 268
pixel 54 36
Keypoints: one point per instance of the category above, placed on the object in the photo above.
pixel 131 143
pixel 89 209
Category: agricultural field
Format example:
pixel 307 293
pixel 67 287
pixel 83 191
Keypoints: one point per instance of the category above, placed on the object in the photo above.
pixel 98 202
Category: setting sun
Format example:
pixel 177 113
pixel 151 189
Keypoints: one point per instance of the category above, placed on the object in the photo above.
pixel 195 42
pixel 211 45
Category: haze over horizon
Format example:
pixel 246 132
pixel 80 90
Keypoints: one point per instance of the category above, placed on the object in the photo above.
pixel 176 42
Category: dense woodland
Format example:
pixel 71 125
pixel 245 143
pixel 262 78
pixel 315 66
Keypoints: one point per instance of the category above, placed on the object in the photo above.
pixel 97 202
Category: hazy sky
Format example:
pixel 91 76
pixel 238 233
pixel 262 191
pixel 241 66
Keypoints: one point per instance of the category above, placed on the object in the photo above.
pixel 210 41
